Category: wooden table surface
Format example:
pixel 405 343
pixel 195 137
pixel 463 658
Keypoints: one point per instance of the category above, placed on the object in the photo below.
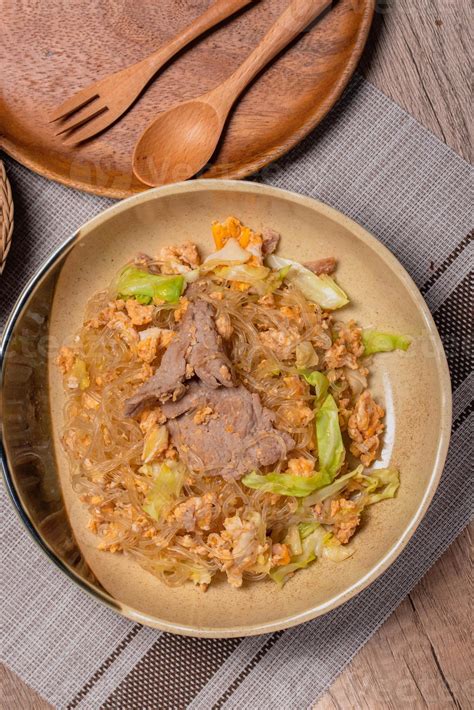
pixel 421 657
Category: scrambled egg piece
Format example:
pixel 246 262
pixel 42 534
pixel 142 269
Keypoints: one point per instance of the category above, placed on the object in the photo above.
pixel 147 349
pixel 301 467
pixel 296 386
pixel 347 347
pixel 195 512
pixel 203 415
pixel 291 312
pixel 150 417
pixel 181 309
pixel 341 514
pixel 89 401
pixel 365 426
pixel 280 555
pixel 179 259
pixel 138 314
pixel 347 519
pixel 224 326
pixel 239 286
pixel 239 547
pixel 282 344
pixel 76 442
pixel 295 413
pixel 118 322
pixel 65 359
pixel 268 301
pixel 106 314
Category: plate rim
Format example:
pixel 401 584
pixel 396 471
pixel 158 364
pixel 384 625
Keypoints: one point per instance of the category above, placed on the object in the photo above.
pixel 445 405
pixel 21 155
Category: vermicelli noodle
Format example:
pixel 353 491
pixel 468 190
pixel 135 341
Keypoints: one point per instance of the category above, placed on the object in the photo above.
pixel 202 522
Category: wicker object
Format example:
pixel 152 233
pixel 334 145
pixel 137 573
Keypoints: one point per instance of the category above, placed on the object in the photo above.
pixel 6 216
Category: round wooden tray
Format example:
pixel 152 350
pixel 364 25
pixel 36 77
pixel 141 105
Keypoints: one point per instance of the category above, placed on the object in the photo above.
pixel 51 49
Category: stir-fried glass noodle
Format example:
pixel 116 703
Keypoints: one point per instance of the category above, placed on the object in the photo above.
pixel 218 417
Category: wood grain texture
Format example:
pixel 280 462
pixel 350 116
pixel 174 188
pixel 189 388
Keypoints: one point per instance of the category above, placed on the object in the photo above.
pixel 422 656
pixel 100 104
pixel 419 54
pixel 16 695
pixel 67 50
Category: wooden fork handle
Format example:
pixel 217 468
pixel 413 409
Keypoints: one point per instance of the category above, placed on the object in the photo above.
pixel 217 12
pixel 298 15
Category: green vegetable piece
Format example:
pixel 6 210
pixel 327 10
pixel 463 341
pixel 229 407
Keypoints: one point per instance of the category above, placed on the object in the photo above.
pixel 306 529
pixel 283 273
pixel 337 485
pixel 169 480
pixel 315 542
pixel 293 540
pixel 312 537
pixel 286 484
pixel 280 575
pixel 382 483
pixel 243 272
pixel 200 575
pixel 331 450
pixel 133 282
pixel 318 380
pixel 318 289
pixel 377 342
pixel 80 372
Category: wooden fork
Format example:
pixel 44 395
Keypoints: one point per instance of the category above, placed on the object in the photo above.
pixel 92 109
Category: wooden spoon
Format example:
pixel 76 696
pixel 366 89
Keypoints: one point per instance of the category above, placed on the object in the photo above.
pixel 91 110
pixel 181 141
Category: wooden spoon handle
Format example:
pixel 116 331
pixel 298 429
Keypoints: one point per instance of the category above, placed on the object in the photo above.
pixel 291 22
pixel 219 11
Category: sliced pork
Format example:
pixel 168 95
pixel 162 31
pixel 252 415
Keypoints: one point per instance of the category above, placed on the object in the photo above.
pixel 224 431
pixel 196 350
pixel 321 266
pixel 270 241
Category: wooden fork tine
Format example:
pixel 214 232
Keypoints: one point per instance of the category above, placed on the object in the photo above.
pixel 74 103
pixel 89 129
pixel 88 113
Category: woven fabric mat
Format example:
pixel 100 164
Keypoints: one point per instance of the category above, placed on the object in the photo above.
pixel 373 162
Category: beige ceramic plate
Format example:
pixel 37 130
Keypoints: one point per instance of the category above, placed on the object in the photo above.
pixel 414 387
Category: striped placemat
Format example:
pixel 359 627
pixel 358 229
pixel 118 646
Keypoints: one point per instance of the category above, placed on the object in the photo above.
pixel 373 162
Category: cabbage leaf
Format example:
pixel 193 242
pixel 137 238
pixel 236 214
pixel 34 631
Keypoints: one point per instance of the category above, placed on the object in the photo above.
pixel 331 450
pixel 229 255
pixel 168 482
pixel 333 488
pixel 318 380
pixel 378 342
pixel 243 272
pixel 322 290
pixel 79 372
pixel 306 355
pixel 381 483
pixel 280 575
pixel 286 484
pixel 315 542
pixel 133 282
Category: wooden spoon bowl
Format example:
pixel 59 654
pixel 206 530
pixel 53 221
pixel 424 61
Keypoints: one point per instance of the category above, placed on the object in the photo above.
pixel 193 129
pixel 181 141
